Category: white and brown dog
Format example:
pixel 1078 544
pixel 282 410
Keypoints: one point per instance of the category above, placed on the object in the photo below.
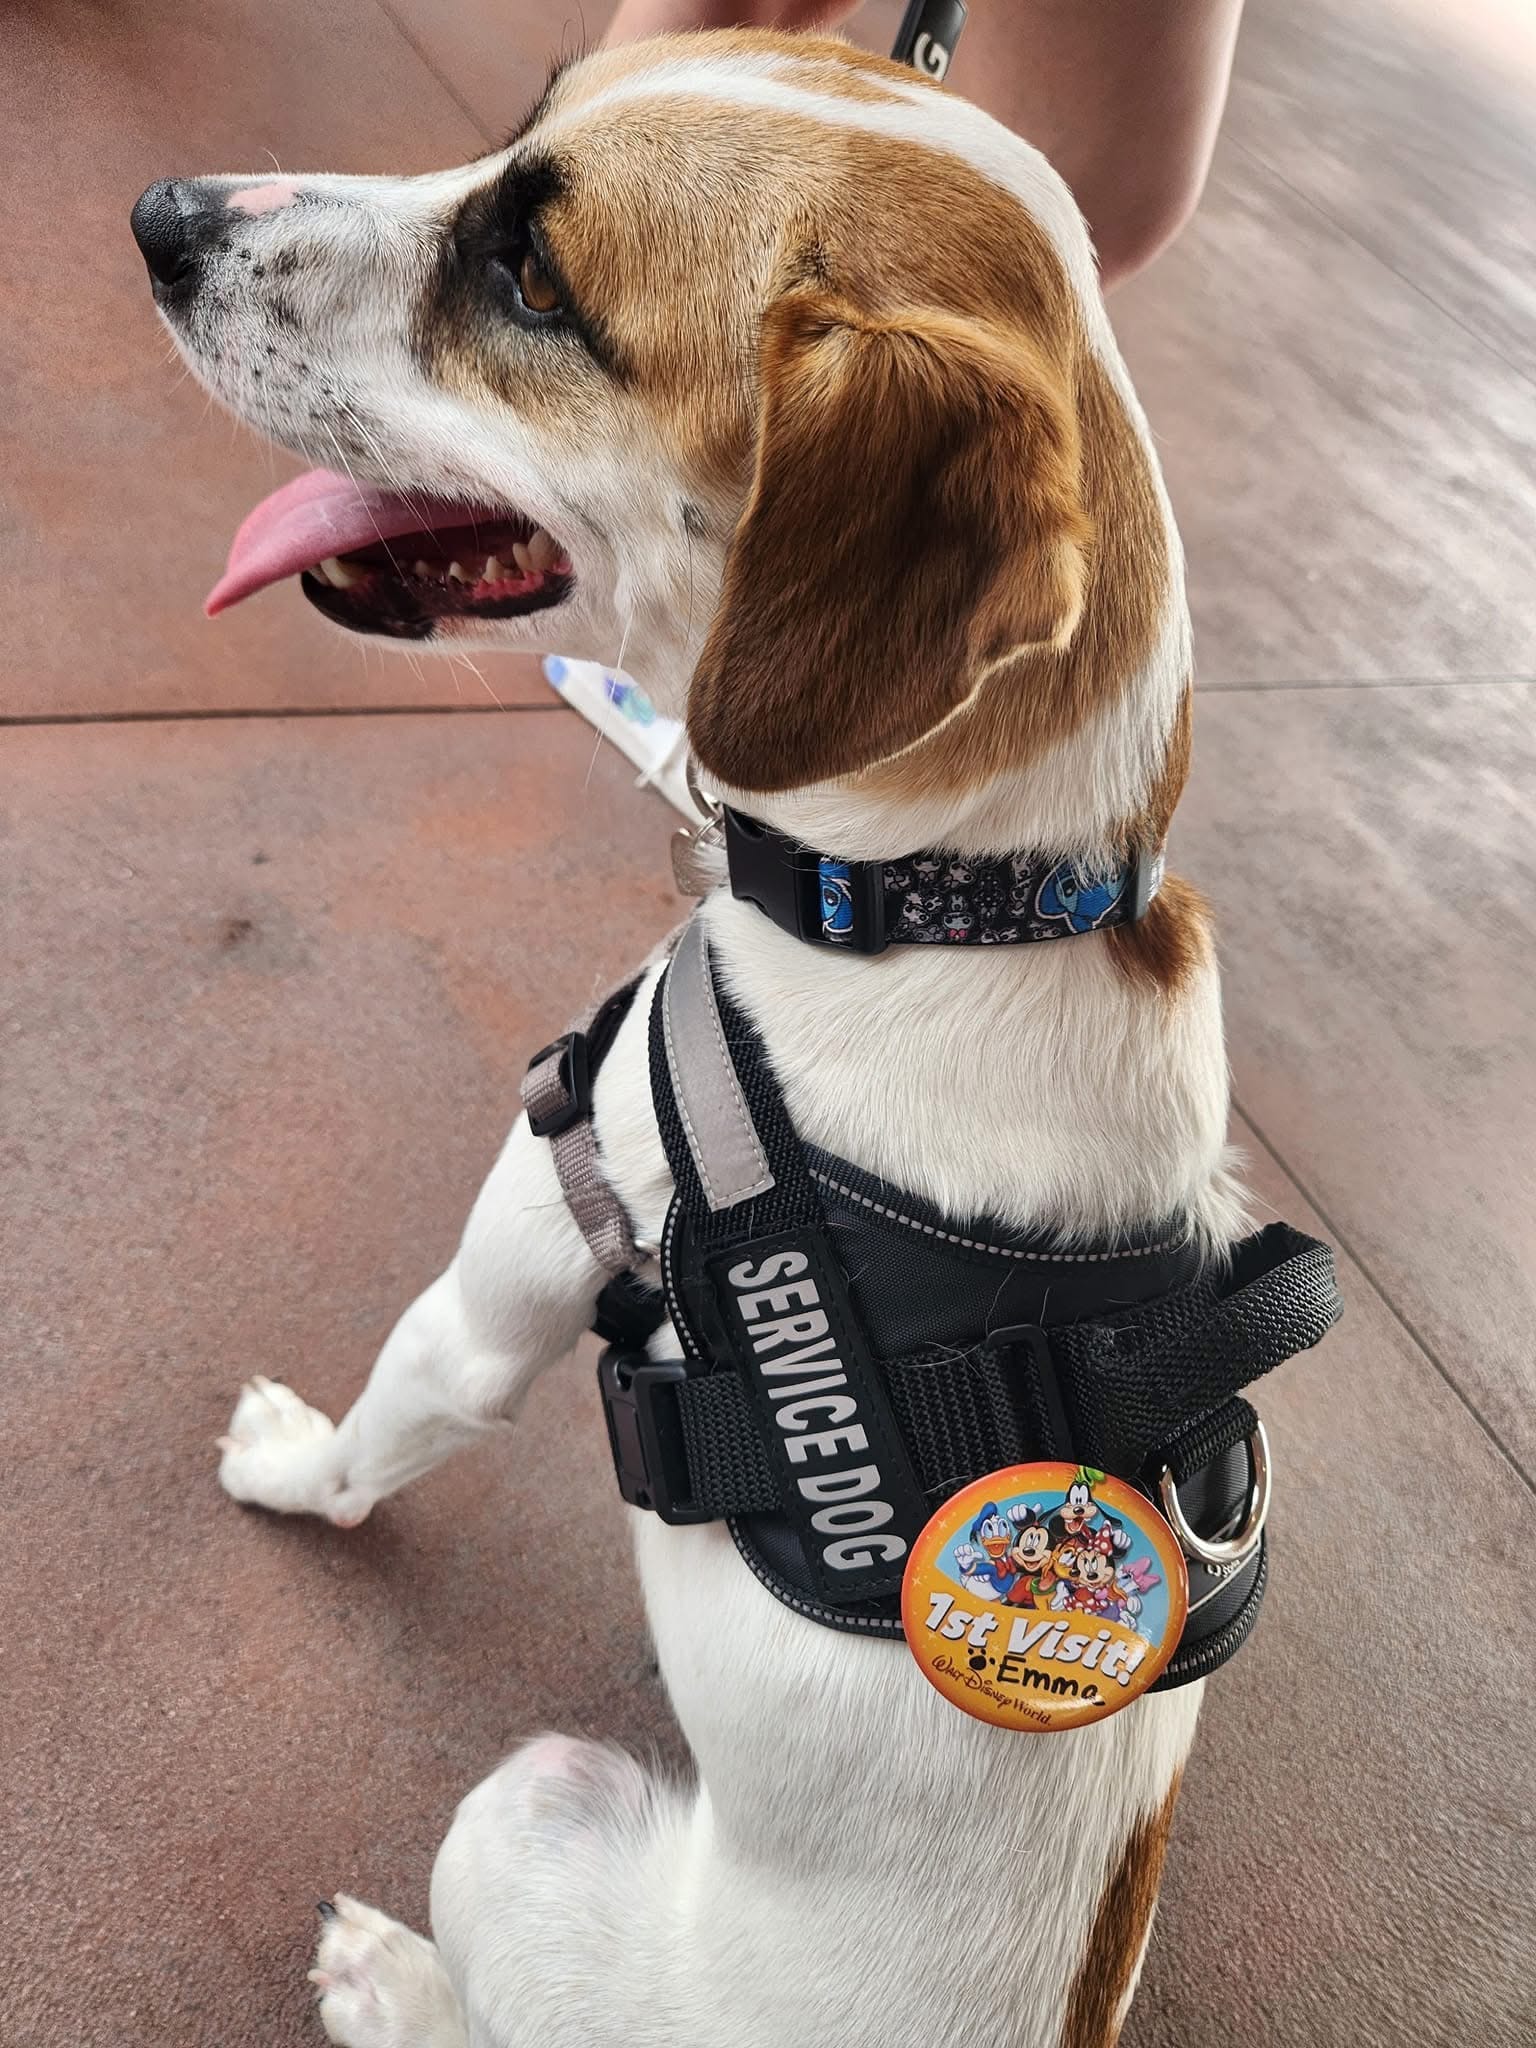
pixel 786 372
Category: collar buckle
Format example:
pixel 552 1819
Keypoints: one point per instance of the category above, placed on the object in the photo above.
pixel 821 901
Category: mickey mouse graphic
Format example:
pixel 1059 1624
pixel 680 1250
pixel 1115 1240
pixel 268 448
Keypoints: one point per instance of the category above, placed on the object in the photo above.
pixel 1030 1557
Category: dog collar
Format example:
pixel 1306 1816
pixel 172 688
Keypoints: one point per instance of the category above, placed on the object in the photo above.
pixel 931 898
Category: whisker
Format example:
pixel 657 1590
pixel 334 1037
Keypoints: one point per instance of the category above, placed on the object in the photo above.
pixel 608 705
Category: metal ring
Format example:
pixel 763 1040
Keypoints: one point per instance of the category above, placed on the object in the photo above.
pixel 710 808
pixel 1228 1549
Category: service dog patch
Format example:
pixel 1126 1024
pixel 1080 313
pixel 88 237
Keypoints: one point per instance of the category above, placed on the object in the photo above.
pixel 845 1479
pixel 1044 1596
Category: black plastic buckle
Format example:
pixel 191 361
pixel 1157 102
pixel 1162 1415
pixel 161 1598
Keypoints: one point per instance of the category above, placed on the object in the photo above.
pixel 575 1078
pixel 1035 1341
pixel 783 879
pixel 645 1435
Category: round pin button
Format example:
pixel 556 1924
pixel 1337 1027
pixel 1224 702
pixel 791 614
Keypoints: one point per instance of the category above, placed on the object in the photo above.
pixel 1044 1596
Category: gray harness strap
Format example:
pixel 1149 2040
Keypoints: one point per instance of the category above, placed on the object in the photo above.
pixel 721 1135
pixel 598 1212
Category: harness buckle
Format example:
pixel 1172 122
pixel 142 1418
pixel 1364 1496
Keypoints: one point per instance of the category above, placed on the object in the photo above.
pixel 575 1078
pixel 646 1435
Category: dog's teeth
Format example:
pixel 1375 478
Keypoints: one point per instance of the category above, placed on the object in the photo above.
pixel 339 574
pixel 421 568
pixel 457 573
pixel 543 550
pixel 493 571
pixel 521 556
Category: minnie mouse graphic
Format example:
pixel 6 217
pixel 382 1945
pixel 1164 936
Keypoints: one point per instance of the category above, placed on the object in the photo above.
pixel 1087 1566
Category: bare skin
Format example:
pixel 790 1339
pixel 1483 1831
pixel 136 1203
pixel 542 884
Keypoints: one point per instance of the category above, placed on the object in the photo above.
pixel 1124 96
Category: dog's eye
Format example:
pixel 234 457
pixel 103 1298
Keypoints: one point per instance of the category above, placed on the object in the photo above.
pixel 524 282
pixel 535 287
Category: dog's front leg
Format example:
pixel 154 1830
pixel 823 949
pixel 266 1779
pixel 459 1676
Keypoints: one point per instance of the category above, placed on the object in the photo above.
pixel 457 1364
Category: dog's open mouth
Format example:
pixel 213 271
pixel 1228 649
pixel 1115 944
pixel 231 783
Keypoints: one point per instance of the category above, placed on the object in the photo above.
pixel 381 563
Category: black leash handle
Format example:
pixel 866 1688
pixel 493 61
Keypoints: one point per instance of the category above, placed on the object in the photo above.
pixel 928 34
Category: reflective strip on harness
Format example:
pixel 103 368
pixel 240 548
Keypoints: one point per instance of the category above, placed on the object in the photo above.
pixel 728 1153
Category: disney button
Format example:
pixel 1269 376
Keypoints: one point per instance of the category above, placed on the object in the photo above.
pixel 1044 1596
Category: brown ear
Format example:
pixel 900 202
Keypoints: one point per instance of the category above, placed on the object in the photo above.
pixel 914 518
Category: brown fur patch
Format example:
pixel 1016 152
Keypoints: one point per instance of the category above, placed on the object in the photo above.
pixel 827 652
pixel 1164 948
pixel 1174 938
pixel 1168 784
pixel 1041 697
pixel 1119 1933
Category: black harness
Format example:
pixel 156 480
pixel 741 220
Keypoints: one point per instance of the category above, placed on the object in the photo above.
pixel 851 1357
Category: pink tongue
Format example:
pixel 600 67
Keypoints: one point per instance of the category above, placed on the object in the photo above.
pixel 321 514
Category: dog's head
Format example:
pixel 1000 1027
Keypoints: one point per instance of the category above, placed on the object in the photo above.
pixel 767 366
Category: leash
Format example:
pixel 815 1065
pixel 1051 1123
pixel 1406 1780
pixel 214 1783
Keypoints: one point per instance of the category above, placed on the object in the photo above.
pixel 928 34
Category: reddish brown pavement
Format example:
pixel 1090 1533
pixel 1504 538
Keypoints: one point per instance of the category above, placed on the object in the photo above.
pixel 271 980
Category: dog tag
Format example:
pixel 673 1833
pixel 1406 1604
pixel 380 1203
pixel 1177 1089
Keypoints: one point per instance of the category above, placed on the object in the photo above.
pixel 1044 1596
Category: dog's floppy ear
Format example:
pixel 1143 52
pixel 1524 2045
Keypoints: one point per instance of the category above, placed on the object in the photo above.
pixel 914 518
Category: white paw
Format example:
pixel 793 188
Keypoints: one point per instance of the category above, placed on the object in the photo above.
pixel 278 1454
pixel 380 1985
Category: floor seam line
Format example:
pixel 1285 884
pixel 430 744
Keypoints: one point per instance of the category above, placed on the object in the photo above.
pixel 1419 1342
pixel 1256 156
pixel 1361 683
pixel 219 715
pixel 428 64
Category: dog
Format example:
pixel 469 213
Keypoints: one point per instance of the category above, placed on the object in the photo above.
pixel 786 372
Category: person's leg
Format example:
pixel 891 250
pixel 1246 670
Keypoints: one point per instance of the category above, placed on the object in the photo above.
pixel 1124 96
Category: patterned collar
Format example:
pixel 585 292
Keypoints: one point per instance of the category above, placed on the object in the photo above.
pixel 931 898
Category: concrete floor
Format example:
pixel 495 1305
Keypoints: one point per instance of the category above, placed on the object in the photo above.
pixel 274 962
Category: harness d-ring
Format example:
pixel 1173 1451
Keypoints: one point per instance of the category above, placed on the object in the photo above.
pixel 1226 1549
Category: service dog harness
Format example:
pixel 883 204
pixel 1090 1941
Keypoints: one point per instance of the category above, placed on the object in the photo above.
pixel 850 1358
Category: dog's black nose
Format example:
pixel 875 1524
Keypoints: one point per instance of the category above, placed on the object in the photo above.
pixel 171 223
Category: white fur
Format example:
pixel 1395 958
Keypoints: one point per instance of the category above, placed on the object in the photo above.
pixel 858 1862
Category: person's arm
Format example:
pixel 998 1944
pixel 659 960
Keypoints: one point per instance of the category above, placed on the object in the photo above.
pixel 1124 96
